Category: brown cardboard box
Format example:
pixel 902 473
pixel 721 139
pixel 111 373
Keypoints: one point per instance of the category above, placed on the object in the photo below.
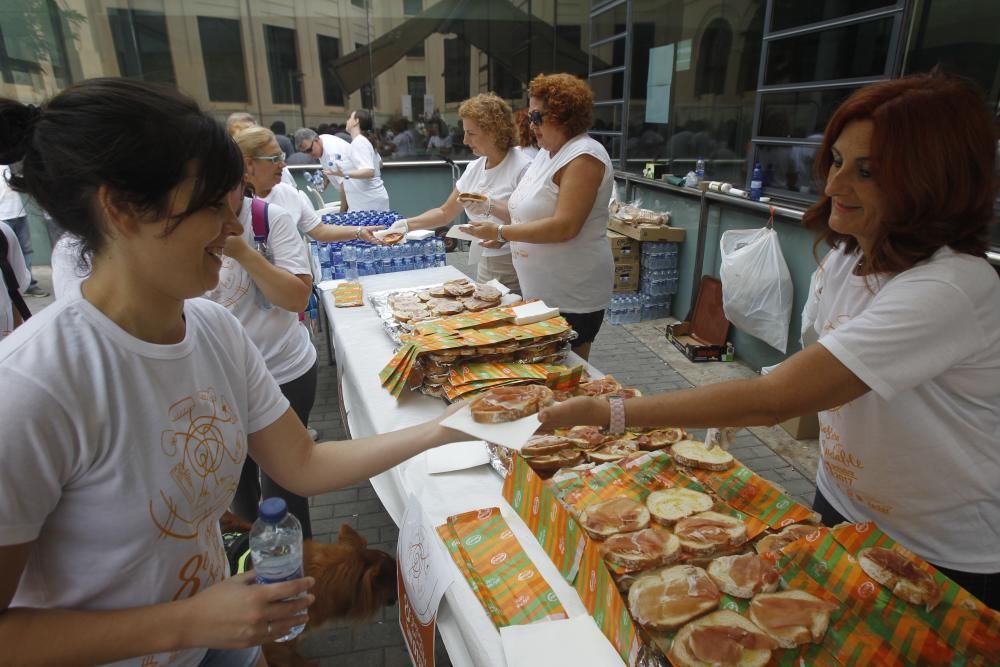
pixel 626 276
pixel 623 249
pixel 646 233
pixel 805 427
pixel 704 336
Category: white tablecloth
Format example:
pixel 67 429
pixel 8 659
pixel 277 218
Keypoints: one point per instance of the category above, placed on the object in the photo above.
pixel 362 349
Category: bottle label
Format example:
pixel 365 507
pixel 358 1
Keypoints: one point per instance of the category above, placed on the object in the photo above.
pixel 297 574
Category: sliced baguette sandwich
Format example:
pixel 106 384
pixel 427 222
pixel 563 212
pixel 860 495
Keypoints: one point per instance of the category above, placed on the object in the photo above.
pixel 743 575
pixel 783 538
pixel 708 533
pixel 549 463
pixel 543 445
pixel 721 638
pixel 791 617
pixel 669 506
pixel 510 403
pixel 642 549
pixel 618 515
pixel 613 451
pixel 660 438
pixel 694 454
pixel 668 598
pixel 901 576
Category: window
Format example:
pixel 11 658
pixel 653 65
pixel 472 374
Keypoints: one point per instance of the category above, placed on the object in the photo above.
pixel 222 55
pixel 141 45
pixel 416 87
pixel 713 58
pixel 505 84
pixel 359 3
pixel 417 51
pixel 329 51
pixel 282 65
pixel 457 55
pixel 412 7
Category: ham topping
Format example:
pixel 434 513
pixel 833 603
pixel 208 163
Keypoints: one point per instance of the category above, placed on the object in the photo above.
pixel 898 564
pixel 588 434
pixel 785 612
pixel 752 570
pixel 647 542
pixel 708 531
pixel 624 514
pixel 722 644
pixel 503 399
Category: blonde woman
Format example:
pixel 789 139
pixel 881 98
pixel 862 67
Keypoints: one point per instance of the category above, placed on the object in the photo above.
pixel 265 162
pixel 490 134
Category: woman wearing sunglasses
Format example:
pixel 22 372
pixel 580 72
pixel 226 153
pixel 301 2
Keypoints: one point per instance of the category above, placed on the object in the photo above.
pixel 265 162
pixel 559 210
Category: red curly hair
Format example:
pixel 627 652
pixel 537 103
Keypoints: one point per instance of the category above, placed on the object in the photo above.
pixel 568 100
pixel 932 153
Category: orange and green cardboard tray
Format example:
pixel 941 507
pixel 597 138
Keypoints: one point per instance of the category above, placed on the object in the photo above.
pixel 501 574
pixel 347 295
pixel 471 379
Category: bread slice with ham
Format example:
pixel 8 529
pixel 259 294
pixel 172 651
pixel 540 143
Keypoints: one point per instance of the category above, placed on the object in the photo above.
pixel 660 438
pixel 901 576
pixel 613 451
pixel 543 445
pixel 707 533
pixel 618 515
pixel 507 404
pixel 550 463
pixel 585 437
pixel 783 538
pixel 743 575
pixel 642 549
pixel 722 638
pixel 694 454
pixel 791 618
pixel 667 598
pixel 669 506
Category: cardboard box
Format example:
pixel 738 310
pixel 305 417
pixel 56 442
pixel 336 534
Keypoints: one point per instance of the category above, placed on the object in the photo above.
pixel 646 232
pixel 704 336
pixel 623 248
pixel 805 427
pixel 626 277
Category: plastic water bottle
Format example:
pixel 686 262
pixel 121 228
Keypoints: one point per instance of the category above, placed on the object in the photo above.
pixel 442 258
pixel 276 549
pixel 756 182
pixel 350 255
pixel 699 170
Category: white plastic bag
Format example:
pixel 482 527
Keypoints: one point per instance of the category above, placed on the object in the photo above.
pixel 756 285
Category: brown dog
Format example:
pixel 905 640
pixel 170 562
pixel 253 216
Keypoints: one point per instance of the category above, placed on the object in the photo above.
pixel 352 583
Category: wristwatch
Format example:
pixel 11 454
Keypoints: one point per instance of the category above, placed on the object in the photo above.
pixel 617 421
pixel 500 237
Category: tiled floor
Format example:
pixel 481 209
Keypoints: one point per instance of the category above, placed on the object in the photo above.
pixel 636 354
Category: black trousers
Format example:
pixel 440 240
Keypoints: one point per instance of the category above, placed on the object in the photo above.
pixel 986 587
pixel 255 484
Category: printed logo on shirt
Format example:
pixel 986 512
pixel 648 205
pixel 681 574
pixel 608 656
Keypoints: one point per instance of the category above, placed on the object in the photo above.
pixel 207 449
pixel 234 283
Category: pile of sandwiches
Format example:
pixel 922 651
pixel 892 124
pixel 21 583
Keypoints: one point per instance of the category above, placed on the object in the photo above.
pixel 449 298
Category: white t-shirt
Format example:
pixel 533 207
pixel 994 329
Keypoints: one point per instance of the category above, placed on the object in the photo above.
pixel 11 204
pixel 365 194
pixel 498 182
pixel 920 453
pixel 276 332
pixel 336 153
pixel 119 456
pixel 21 274
pixel 66 269
pixel 529 151
pixel 576 275
pixel 294 201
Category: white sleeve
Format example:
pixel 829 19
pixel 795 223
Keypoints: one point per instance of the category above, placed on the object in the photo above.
pixel 266 402
pixel 16 259
pixel 362 153
pixel 907 335
pixel 308 218
pixel 40 453
pixel 287 247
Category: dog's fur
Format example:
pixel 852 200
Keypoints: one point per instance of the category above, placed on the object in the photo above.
pixel 352 583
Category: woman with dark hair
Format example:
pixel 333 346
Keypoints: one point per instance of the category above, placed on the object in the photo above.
pixel 363 176
pixel 906 314
pixel 559 210
pixel 129 405
pixel 526 141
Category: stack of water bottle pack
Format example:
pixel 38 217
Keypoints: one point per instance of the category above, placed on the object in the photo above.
pixel 657 286
pixel 353 259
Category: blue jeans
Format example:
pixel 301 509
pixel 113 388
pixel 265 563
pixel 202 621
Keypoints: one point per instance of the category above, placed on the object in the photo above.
pixel 231 657
pixel 23 232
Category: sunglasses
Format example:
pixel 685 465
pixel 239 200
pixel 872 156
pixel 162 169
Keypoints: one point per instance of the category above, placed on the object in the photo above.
pixel 535 117
pixel 273 159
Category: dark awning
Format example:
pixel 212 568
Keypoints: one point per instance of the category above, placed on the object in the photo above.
pixel 505 33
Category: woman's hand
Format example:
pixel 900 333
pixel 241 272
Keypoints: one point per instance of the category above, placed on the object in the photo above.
pixel 366 233
pixel 492 245
pixel 578 411
pixel 236 612
pixel 482 230
pixel 477 207
pixel 237 248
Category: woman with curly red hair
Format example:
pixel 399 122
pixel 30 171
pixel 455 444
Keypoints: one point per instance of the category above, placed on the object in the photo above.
pixel 559 211
pixel 904 317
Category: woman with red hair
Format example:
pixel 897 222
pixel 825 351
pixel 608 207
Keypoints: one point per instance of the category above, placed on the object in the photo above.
pixel 905 319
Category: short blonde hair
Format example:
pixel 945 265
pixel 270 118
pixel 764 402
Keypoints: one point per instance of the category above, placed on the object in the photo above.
pixel 253 139
pixel 494 116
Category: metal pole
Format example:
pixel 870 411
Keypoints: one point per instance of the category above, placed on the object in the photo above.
pixel 371 62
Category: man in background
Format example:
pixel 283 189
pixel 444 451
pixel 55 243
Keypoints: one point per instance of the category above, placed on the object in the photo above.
pixel 12 212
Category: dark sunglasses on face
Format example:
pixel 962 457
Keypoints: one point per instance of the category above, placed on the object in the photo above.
pixel 535 117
